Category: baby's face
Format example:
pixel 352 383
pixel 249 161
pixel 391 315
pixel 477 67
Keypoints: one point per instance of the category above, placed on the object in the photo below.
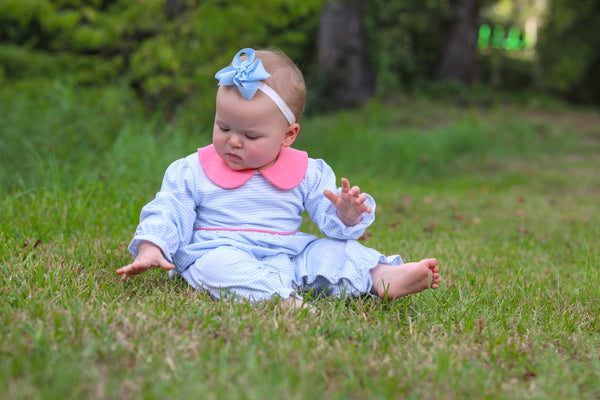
pixel 248 134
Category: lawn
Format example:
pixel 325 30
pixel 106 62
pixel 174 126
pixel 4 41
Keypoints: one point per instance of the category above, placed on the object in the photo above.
pixel 506 196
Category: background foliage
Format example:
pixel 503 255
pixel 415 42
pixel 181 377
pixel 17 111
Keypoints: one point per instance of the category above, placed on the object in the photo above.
pixel 569 51
pixel 165 51
pixel 405 39
pixel 168 51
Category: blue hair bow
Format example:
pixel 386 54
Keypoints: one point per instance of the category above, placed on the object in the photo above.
pixel 246 74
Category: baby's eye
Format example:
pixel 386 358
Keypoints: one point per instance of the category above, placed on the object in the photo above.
pixel 224 129
pixel 251 137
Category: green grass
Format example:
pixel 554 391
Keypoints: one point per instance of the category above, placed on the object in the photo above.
pixel 507 198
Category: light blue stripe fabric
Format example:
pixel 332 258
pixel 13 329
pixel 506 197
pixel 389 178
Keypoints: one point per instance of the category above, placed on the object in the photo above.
pixel 251 264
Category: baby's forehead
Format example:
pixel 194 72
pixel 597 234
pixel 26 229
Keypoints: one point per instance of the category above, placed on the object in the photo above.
pixel 231 103
pixel 226 89
pixel 228 94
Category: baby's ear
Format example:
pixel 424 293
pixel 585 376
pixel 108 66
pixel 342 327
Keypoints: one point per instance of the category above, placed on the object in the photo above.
pixel 290 135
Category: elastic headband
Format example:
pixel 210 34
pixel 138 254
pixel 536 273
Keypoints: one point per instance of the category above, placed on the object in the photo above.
pixel 279 102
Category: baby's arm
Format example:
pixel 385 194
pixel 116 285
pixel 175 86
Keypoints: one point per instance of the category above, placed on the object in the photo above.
pixel 350 203
pixel 149 255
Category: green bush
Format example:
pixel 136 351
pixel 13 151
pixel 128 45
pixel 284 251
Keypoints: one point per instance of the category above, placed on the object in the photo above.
pixel 166 54
pixel 20 62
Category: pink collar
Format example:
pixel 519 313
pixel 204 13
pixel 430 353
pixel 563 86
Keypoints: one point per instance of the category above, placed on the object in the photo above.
pixel 286 173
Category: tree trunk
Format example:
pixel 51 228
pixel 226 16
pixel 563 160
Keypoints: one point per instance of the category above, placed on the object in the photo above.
pixel 459 55
pixel 345 74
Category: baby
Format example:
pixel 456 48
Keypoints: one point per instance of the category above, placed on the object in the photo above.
pixel 226 218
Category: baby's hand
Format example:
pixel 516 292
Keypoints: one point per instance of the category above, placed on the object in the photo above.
pixel 149 255
pixel 350 203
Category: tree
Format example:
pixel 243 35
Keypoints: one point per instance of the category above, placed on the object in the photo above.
pixel 459 53
pixel 344 71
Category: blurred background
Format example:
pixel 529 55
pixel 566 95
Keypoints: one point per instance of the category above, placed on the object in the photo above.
pixel 98 90
pixel 167 51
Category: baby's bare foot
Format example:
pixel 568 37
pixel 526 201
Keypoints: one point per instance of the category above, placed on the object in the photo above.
pixel 397 281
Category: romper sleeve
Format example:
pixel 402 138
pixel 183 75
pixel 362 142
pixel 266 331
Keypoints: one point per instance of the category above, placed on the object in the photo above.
pixel 322 212
pixel 168 220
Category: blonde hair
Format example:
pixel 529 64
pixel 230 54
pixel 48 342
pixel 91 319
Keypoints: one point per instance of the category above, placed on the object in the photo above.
pixel 286 79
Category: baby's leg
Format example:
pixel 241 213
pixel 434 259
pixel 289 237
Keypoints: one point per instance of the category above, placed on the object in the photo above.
pixel 397 281
pixel 334 267
pixel 230 271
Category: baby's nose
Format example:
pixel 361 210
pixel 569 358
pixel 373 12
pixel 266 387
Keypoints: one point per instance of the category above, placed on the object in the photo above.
pixel 234 140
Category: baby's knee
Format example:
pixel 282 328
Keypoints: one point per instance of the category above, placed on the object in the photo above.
pixel 218 261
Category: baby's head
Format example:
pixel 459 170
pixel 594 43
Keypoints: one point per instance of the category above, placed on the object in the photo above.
pixel 271 72
pixel 258 105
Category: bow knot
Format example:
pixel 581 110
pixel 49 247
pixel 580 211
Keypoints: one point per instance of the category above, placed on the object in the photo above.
pixel 246 74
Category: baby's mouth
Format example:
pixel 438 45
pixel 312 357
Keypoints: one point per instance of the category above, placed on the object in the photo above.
pixel 233 157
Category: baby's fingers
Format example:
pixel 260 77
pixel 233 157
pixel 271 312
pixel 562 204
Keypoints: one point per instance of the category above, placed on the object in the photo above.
pixel 367 208
pixel 330 195
pixel 137 268
pixel 121 271
pixel 355 191
pixel 360 201
pixel 345 185
pixel 164 264
pixel 126 271
pixel 132 269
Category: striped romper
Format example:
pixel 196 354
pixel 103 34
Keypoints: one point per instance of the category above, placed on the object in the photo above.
pixel 236 232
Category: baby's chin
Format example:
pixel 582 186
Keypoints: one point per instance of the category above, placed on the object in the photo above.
pixel 238 164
